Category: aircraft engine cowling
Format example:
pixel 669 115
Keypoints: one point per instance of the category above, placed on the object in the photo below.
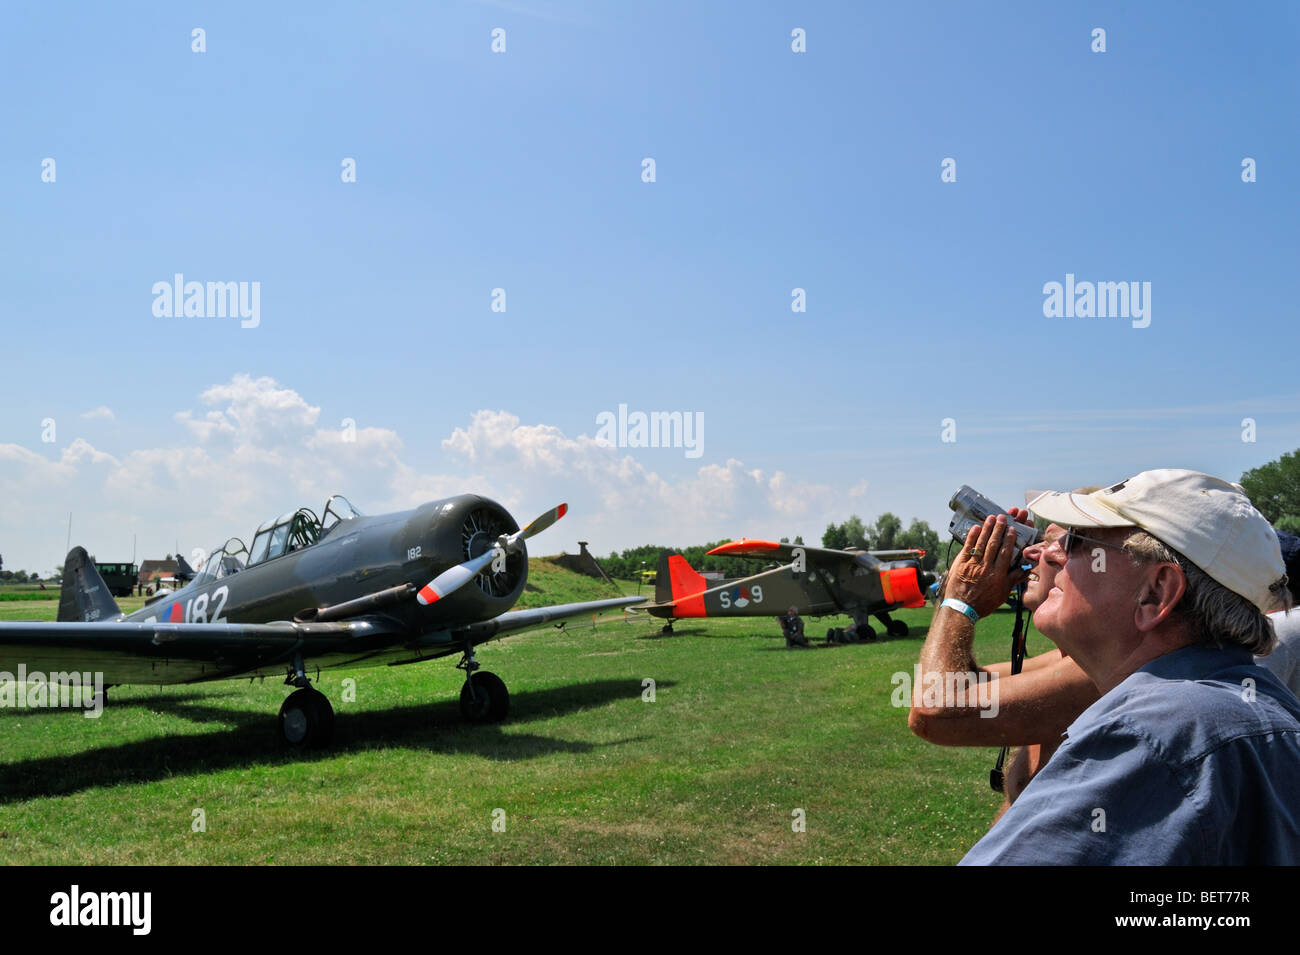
pixel 480 530
pixel 901 583
pixel 454 531
pixel 449 546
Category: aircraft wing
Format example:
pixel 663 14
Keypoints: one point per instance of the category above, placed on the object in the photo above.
pixel 515 620
pixel 784 553
pixel 769 550
pixel 162 653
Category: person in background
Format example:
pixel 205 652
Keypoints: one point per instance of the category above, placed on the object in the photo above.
pixel 792 627
pixel 1284 661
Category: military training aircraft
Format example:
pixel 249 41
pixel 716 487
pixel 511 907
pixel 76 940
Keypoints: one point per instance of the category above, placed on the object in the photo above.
pixel 344 590
pixel 814 580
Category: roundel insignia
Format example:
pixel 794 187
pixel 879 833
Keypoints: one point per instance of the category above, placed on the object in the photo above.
pixel 740 597
pixel 175 614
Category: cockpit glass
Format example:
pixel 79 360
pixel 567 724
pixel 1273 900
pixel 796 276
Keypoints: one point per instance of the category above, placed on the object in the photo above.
pixel 278 538
pixel 223 561
pixel 260 543
pixel 337 509
pixel 298 530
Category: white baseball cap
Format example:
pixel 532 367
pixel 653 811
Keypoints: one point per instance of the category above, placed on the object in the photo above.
pixel 1209 521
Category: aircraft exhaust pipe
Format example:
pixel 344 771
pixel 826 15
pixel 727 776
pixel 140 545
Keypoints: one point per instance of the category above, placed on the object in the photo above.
pixel 350 608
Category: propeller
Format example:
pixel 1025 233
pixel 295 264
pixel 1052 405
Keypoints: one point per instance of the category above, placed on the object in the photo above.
pixel 456 577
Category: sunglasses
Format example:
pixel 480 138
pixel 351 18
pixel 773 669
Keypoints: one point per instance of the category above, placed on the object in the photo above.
pixel 1071 542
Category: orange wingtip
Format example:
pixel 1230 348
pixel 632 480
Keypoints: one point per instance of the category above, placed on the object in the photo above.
pixel 743 546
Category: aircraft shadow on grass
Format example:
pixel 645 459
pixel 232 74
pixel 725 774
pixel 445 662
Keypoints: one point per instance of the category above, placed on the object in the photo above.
pixel 435 727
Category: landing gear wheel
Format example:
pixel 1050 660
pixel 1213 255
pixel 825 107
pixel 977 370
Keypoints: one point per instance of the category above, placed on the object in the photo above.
pixel 865 633
pixel 306 719
pixel 487 701
pixel 897 628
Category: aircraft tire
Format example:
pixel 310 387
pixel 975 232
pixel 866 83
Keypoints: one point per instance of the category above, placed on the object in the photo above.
pixel 897 628
pixel 306 719
pixel 489 702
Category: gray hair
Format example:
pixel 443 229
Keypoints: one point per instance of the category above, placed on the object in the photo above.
pixel 1215 614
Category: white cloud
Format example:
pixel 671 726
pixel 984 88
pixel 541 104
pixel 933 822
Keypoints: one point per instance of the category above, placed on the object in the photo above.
pixel 256 448
pixel 619 502
pixel 103 412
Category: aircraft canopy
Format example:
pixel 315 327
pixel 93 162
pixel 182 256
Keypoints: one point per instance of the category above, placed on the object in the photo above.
pixel 299 529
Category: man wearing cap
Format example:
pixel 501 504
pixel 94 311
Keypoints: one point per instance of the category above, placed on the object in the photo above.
pixel 1192 754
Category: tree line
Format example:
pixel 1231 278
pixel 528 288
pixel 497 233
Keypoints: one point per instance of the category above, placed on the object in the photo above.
pixel 887 533
pixel 628 564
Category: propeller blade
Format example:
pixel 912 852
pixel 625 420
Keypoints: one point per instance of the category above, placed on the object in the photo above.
pixel 456 577
pixel 538 525
pixel 453 579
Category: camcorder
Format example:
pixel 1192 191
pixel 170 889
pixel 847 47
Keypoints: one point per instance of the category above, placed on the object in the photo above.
pixel 970 508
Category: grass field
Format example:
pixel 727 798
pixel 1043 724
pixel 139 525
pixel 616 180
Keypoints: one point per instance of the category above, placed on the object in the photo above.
pixel 741 733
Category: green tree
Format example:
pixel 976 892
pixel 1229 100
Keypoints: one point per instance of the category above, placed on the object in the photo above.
pixel 1274 488
pixel 884 535
pixel 921 536
pixel 835 537
pixel 1289 523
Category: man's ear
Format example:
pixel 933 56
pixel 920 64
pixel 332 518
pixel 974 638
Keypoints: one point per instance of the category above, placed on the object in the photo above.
pixel 1163 585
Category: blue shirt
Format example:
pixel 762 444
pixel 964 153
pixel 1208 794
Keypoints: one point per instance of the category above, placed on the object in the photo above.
pixel 1178 765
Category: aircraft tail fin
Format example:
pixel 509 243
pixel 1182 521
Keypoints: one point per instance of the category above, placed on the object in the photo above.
pixel 184 572
pixel 84 595
pixel 676 581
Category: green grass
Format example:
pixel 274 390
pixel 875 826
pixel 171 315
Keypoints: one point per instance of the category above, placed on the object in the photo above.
pixel 549 583
pixel 741 733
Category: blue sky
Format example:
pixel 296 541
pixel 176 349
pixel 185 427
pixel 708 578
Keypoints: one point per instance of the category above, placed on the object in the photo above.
pixel 522 170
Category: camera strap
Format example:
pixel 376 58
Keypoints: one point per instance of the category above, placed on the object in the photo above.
pixel 1018 642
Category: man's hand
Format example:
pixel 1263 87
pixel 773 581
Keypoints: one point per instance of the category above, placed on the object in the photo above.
pixel 982 575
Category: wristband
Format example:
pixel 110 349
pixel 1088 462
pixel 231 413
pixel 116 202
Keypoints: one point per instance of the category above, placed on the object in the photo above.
pixel 960 607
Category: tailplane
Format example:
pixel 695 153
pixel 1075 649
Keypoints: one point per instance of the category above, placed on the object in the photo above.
pixel 84 596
